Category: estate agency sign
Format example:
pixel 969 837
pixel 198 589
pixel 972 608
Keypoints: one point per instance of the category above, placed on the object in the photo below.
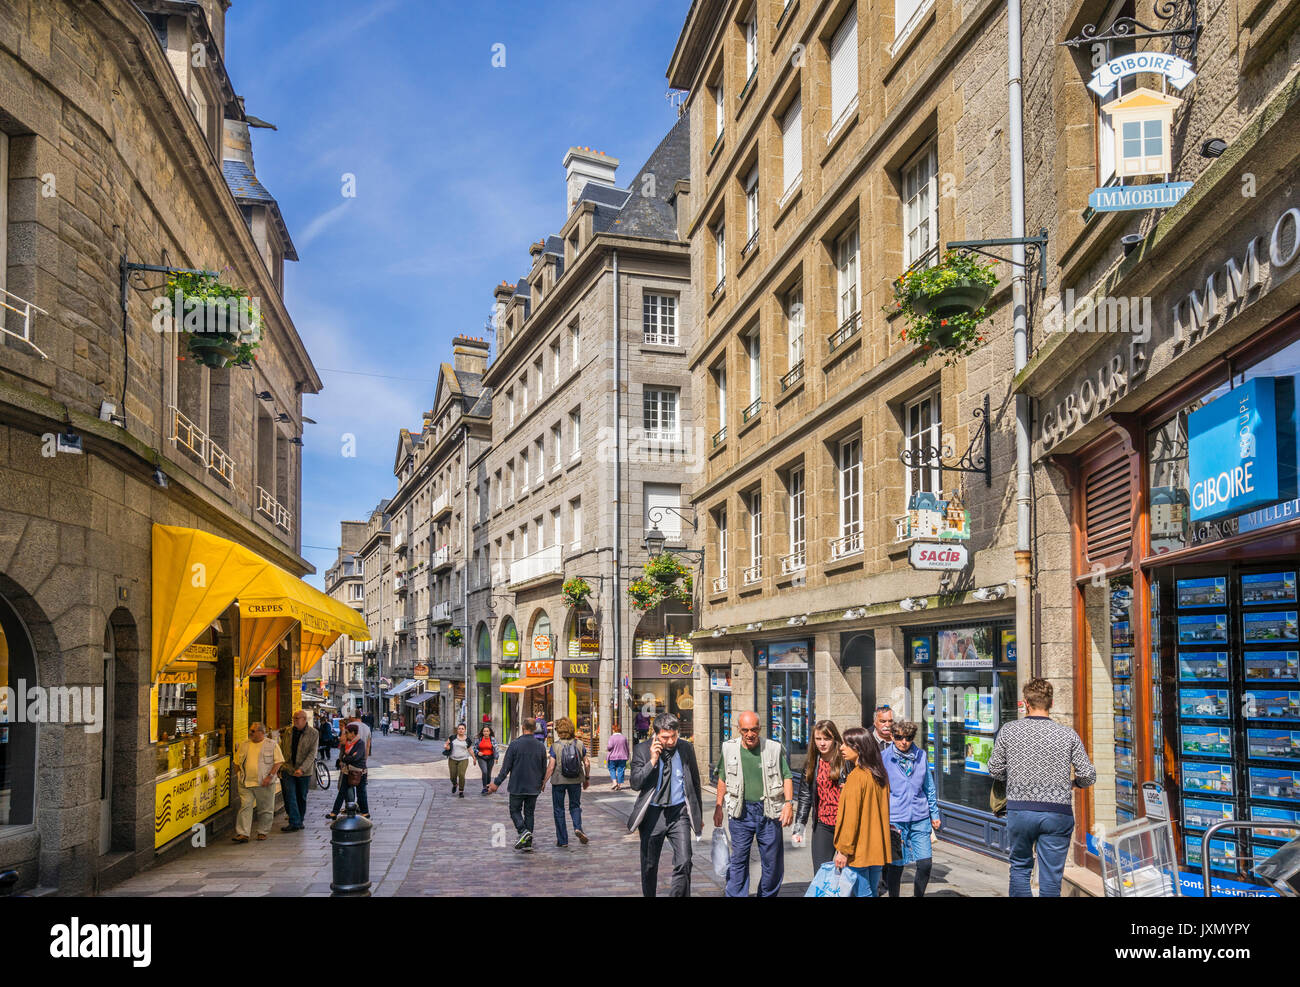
pixel 938 556
pixel 1233 449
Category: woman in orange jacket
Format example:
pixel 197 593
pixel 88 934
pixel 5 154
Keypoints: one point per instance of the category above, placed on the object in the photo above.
pixel 862 819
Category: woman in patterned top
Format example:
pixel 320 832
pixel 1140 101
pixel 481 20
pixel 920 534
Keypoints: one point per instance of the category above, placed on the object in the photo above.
pixel 825 771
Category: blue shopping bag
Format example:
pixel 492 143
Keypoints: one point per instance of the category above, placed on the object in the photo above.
pixel 831 882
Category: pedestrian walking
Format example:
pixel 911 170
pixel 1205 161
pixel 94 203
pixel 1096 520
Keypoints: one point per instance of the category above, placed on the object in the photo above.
pixel 383 724
pixel 525 766
pixel 882 725
pixel 458 752
pixel 667 806
pixel 419 726
pixel 256 764
pixel 363 731
pixel 825 771
pixel 542 728
pixel 616 755
pixel 485 752
pixel 352 773
pixel 757 791
pixel 641 726
pixel 298 750
pixel 325 737
pixel 862 820
pixel 1036 757
pixel 568 770
pixel 913 807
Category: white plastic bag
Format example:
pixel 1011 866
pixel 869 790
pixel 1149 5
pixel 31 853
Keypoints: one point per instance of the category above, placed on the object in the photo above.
pixel 721 853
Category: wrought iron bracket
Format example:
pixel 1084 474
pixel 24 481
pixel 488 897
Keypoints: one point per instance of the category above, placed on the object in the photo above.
pixel 1180 20
pixel 971 461
pixel 656 514
pixel 126 268
pixel 1035 250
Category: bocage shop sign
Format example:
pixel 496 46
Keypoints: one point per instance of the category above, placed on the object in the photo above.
pixel 1242 449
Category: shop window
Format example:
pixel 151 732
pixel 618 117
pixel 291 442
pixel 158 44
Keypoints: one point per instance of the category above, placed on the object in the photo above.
pixel 785 681
pixel 17 737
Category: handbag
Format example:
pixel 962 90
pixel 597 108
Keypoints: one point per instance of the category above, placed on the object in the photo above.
pixel 998 799
pixel 832 882
pixel 895 844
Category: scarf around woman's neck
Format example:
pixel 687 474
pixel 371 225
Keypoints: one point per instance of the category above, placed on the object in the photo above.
pixel 906 761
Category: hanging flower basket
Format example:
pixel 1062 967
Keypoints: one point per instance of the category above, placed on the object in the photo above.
pixel 454 637
pixel 665 579
pixel 943 306
pixel 666 568
pixel 222 325
pixel 644 594
pixel 575 592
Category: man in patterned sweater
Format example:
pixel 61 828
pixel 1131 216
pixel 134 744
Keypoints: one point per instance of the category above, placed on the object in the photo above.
pixel 1035 757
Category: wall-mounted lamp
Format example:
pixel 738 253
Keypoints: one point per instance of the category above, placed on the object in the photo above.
pixel 797 621
pixel 913 603
pixel 68 441
pixel 1131 242
pixel 990 593
pixel 265 395
pixel 718 632
pixel 851 614
pixel 1213 148
pixel 295 441
pixel 159 477
pixel 753 627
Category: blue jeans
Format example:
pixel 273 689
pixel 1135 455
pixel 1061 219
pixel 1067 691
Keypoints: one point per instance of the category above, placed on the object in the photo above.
pixel 295 796
pixel 751 826
pixel 1050 831
pixel 575 809
pixel 616 769
pixel 868 879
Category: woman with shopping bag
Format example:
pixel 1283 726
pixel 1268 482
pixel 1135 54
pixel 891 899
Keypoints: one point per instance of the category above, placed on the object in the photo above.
pixel 862 820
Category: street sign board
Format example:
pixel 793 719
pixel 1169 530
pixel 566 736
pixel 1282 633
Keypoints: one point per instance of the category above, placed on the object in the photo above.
pixel 937 556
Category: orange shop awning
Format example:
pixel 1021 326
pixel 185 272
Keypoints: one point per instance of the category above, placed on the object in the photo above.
pixel 196 576
pixel 521 685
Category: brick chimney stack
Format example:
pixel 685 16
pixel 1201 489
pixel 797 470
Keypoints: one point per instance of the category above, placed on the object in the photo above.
pixel 469 354
pixel 583 165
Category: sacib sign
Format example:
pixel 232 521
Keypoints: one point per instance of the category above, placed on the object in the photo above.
pixel 1241 449
pixel 929 555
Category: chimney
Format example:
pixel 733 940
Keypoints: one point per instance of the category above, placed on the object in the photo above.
pixel 583 165
pixel 237 143
pixel 469 354
pixel 501 300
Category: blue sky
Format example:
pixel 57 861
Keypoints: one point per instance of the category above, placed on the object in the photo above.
pixel 458 169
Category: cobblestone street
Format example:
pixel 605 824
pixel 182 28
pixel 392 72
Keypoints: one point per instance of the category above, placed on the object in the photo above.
pixel 428 842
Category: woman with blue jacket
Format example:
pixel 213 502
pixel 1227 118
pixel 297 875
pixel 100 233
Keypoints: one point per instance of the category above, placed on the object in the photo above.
pixel 913 807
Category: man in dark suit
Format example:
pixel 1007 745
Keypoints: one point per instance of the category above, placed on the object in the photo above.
pixel 667 782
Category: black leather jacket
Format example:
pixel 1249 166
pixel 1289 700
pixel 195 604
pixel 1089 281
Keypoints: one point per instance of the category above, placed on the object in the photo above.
pixel 807 807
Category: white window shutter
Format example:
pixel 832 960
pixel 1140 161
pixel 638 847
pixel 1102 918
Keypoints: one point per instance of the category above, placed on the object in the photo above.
pixel 844 65
pixel 665 495
pixel 792 142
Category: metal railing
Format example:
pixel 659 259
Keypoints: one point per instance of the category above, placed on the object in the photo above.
pixel 752 410
pixel 544 563
pixel 399 541
pixel 847 330
pixel 399 584
pixel 750 244
pixel 748 82
pixel 220 463
pixel 441 504
pixel 189 436
pixel 1251 824
pixel 273 509
pixel 717 288
pixel 23 308
pixel 720 584
pixel 850 544
pixel 794 562
pixel 903 528
pixel 720 436
pixel 793 377
pixel 441 558
pixel 754 573
pixel 440 614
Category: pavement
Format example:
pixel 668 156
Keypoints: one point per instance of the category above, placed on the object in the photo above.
pixel 427 842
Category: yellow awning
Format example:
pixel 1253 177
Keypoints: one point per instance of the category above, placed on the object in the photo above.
pixel 196 576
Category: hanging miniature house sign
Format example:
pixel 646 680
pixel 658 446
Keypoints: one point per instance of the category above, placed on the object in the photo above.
pixel 1135 122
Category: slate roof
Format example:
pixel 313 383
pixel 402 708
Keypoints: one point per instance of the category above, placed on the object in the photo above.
pixel 248 191
pixel 653 215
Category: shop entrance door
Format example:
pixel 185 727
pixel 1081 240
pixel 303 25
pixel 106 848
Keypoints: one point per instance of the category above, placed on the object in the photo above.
pixel 789 703
pixel 720 730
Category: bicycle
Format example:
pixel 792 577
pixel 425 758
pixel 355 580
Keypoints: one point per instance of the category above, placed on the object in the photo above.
pixel 322 771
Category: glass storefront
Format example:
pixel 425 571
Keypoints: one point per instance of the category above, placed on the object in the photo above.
pixel 961 682
pixel 663 669
pixel 721 722
pixel 784 681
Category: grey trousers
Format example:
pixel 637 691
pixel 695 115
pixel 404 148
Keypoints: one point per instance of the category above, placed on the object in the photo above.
pixel 263 799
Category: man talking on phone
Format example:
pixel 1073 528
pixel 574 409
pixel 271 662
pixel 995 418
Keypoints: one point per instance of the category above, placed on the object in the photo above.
pixel 667 782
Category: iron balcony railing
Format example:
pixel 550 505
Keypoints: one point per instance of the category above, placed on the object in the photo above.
pixel 273 509
pixel 793 377
pixel 720 584
pixel 752 411
pixel 754 573
pixel 720 436
pixel 850 544
pixel 847 330
pixel 794 562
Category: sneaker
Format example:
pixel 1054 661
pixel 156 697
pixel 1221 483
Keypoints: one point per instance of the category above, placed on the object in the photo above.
pixel 461 794
pixel 561 845
pixel 529 838
pixel 522 842
pixel 581 836
pixel 290 829
pixel 453 788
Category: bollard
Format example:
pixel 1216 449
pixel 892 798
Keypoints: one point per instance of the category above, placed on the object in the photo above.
pixel 350 839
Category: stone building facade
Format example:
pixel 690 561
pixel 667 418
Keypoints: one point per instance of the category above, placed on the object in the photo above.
pixel 591 427
pixel 835 145
pixel 1151 315
pixel 341 669
pixel 377 567
pixel 120 145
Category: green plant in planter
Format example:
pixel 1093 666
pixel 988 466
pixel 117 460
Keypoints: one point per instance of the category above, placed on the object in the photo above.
pixel 666 568
pixel 943 305
pixel 454 637
pixel 645 594
pixel 575 592
pixel 221 324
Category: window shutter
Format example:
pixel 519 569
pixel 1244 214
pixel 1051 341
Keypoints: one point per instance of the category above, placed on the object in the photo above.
pixel 665 495
pixel 792 142
pixel 1108 512
pixel 844 65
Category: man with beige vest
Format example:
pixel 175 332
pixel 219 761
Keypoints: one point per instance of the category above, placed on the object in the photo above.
pixel 256 765
pixel 755 788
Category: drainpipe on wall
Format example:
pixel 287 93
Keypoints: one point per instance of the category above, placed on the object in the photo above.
pixel 1015 110
pixel 464 581
pixel 616 611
